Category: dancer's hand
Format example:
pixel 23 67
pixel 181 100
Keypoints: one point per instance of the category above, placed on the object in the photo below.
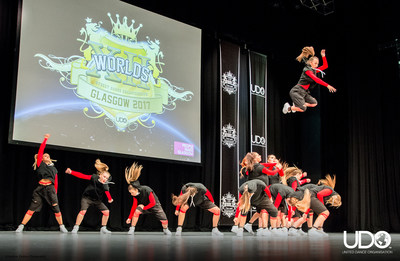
pixel 176 212
pixel 331 89
pixel 323 52
pixel 110 201
pixel 308 180
pixel 278 165
pixel 68 171
pixel 46 136
pixel 128 221
pixel 304 174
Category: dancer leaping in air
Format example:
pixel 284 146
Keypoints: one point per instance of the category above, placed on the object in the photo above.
pixel 300 93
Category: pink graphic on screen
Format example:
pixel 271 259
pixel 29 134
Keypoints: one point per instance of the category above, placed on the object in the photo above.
pixel 184 149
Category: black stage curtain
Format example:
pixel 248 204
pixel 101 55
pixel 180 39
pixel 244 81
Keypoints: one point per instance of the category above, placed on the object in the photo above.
pixel 372 90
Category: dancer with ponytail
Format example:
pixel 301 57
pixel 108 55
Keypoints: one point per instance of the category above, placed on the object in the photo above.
pixel 281 166
pixel 253 169
pixel 279 193
pixel 299 200
pixel 300 93
pixel 93 194
pixel 195 194
pixel 256 193
pixel 46 190
pixel 321 195
pixel 295 177
pixel 145 200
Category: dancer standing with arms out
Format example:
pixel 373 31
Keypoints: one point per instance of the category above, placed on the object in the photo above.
pixel 93 195
pixel 300 93
pixel 47 188
pixel 195 194
pixel 145 201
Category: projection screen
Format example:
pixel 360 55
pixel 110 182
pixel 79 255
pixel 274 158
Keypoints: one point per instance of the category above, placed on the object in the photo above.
pixel 107 76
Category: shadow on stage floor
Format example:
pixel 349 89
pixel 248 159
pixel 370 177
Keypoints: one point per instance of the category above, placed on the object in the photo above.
pixel 37 245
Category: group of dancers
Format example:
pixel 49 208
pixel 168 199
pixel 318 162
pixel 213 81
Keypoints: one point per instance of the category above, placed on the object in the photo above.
pixel 145 201
pixel 281 195
pixel 283 198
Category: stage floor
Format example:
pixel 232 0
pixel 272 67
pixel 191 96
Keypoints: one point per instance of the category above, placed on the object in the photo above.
pixel 36 245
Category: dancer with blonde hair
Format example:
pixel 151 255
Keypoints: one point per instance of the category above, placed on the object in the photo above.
pixel 321 195
pixel 93 194
pixel 300 93
pixel 46 189
pixel 256 193
pixel 295 177
pixel 254 169
pixel 279 165
pixel 145 200
pixel 195 194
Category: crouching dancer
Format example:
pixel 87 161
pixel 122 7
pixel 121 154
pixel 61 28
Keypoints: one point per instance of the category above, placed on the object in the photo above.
pixel 195 194
pixel 145 201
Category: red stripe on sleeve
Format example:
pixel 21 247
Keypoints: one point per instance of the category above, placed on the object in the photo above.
pixel 209 196
pixel 56 182
pixel 294 185
pixel 270 172
pixel 108 195
pixel 40 152
pixel 80 175
pixel 278 200
pixel 324 64
pixel 323 193
pixel 267 191
pixel 238 207
pixel 316 79
pixel 268 165
pixel 134 205
pixel 303 181
pixel 152 201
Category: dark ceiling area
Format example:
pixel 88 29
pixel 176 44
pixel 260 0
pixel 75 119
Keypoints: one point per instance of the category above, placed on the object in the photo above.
pixel 275 26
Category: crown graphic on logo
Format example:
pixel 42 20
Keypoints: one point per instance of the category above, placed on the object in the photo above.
pixel 122 30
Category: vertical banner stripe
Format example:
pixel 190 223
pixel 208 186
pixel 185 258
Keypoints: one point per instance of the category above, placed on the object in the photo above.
pixel 229 71
pixel 258 103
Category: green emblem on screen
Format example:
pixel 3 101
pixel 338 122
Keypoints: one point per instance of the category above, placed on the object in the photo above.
pixel 119 75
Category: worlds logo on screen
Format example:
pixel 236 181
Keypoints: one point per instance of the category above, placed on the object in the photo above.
pixel 119 76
